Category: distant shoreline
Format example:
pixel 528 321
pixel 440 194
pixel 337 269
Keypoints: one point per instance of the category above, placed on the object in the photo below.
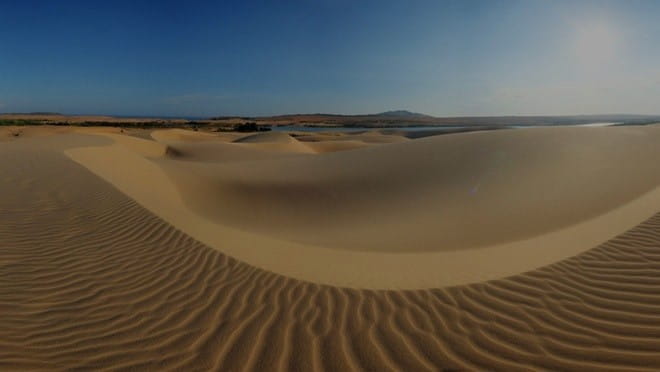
pixel 322 121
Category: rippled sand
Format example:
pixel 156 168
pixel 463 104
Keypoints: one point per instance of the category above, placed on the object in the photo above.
pixel 96 273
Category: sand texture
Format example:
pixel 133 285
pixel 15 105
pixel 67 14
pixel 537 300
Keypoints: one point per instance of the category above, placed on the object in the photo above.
pixel 192 251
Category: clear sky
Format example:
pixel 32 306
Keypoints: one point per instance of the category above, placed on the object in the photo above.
pixel 445 58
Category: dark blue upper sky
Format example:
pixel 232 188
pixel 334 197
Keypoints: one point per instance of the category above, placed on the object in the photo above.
pixel 444 58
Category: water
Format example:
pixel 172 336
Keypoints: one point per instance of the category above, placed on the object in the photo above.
pixel 603 124
pixel 293 128
pixel 596 125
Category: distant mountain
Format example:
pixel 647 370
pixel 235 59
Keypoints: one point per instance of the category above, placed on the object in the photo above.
pixel 32 113
pixel 402 114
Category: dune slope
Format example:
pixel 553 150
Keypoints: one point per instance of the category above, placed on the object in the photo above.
pixel 404 215
pixel 429 194
pixel 90 280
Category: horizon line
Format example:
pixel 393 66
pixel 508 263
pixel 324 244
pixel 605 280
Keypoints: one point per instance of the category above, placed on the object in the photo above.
pixel 229 116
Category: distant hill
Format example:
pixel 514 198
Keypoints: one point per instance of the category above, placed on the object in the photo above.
pixel 38 113
pixel 402 114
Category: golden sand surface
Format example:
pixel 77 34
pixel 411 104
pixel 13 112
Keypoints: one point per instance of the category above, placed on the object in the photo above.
pixel 534 249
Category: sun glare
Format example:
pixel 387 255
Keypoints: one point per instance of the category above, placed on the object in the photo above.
pixel 596 42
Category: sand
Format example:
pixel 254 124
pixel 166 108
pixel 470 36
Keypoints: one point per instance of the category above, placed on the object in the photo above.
pixel 196 251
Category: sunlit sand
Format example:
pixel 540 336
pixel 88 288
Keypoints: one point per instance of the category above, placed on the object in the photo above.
pixel 300 251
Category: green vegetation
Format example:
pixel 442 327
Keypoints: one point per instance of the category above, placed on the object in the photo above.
pixel 19 122
pixel 250 127
pixel 154 124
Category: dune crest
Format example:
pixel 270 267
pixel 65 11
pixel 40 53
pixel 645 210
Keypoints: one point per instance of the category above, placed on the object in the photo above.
pixel 267 137
pixel 347 225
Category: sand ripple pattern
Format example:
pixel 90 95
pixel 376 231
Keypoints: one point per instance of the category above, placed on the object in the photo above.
pixel 89 280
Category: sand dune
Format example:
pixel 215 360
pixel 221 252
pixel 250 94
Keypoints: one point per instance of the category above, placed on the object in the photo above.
pixel 15 132
pixel 334 142
pixel 183 135
pixel 90 279
pixel 401 215
pixel 427 195
pixel 334 146
pixel 267 137
pixel 366 137
pixel 274 141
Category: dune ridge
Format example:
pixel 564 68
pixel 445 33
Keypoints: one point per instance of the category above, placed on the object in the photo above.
pixel 89 279
pixel 375 224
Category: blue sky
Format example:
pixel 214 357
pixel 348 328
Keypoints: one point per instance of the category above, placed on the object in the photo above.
pixel 445 58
